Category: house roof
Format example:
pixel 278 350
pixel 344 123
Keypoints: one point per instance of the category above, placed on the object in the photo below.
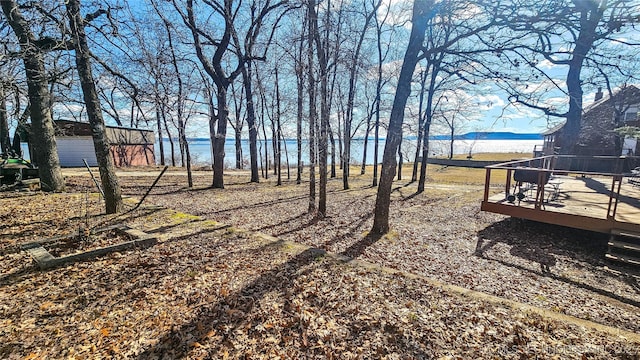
pixel 596 104
pixel 554 129
pixel 629 89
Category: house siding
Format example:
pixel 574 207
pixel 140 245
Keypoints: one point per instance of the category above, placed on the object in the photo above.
pixel 597 136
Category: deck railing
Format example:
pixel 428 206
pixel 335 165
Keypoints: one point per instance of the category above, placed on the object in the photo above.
pixel 580 166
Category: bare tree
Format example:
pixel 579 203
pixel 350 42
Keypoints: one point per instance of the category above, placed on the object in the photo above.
pixel 111 188
pixel 238 123
pixel 278 149
pixel 321 52
pixel 215 68
pixel 353 79
pixel 568 34
pixel 299 70
pixel 32 53
pixel 419 20
pixel 378 93
pixel 312 23
pixel 180 107
pixel 227 44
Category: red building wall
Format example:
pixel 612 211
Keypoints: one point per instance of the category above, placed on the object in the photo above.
pixel 133 155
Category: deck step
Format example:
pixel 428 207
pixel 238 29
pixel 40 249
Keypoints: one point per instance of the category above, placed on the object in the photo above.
pixel 631 260
pixel 621 270
pixel 625 233
pixel 624 245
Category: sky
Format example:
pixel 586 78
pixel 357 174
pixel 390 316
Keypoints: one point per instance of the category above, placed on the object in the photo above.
pixel 489 109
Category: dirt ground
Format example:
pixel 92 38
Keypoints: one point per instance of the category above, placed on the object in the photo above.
pixel 448 282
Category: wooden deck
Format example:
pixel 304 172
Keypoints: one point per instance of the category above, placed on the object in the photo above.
pixel 592 201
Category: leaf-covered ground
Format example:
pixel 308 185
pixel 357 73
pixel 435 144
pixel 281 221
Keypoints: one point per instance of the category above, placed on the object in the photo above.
pixel 210 290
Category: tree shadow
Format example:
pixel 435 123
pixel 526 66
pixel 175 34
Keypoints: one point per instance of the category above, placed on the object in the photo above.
pixel 232 310
pixel 31 269
pixel 195 234
pixel 352 229
pixel 314 220
pixel 508 232
pixel 359 247
pixel 602 188
pixel 97 221
pixel 283 222
pixel 549 242
pixel 257 204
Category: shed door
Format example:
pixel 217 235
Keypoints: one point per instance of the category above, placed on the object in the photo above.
pixel 72 150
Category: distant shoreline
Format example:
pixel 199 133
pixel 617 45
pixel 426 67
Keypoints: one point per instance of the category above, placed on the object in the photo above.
pixel 500 135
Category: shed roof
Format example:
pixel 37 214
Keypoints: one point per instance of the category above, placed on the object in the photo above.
pixel 115 134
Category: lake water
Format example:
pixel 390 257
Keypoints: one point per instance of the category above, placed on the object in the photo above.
pixel 201 149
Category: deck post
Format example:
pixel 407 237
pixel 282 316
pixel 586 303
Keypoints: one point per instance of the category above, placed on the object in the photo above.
pixel 614 195
pixel 539 190
pixel 507 186
pixel 487 180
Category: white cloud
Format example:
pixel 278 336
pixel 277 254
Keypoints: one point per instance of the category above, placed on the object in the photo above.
pixel 396 12
pixel 546 64
pixel 487 102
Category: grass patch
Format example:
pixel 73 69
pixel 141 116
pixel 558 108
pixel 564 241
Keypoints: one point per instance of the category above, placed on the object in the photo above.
pixel 181 217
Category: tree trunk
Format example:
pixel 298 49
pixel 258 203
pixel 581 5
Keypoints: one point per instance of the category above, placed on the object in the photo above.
pixel 377 108
pixel 376 142
pixel 300 83
pixel 212 121
pixel 346 150
pixel 274 143
pixel 324 111
pixel 425 157
pixel 363 167
pixel 265 166
pixel 400 160
pixel 221 133
pixel 340 137
pixel 286 153
pixel 452 132
pixel 43 137
pixel 251 123
pixel 112 192
pixel 394 133
pixel 591 14
pixel 237 128
pixel 5 142
pixel 427 129
pixel 332 141
pixel 278 132
pixel 421 123
pixel 238 144
pixel 182 126
pixel 172 145
pixel 312 110
pixel 159 125
pixel 353 79
pixel 300 86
